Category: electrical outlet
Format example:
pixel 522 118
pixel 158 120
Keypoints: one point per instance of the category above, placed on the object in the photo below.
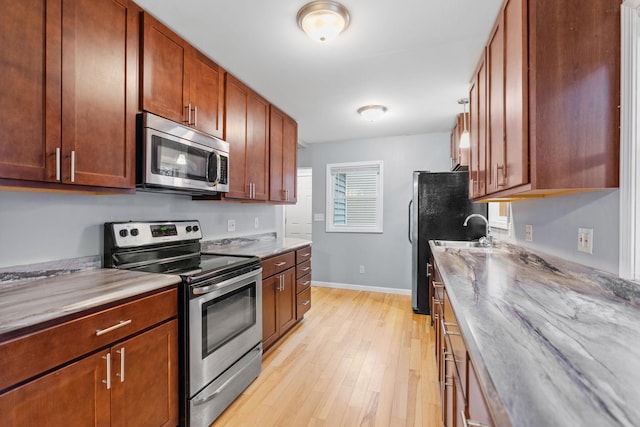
pixel 256 222
pixel 585 240
pixel 362 269
pixel 231 225
pixel 528 233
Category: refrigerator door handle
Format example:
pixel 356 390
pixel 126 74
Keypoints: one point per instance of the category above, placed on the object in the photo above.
pixel 410 222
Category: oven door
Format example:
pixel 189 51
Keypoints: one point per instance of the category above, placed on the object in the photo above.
pixel 225 322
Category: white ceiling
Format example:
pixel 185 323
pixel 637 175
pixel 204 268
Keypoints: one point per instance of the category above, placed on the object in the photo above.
pixel 414 56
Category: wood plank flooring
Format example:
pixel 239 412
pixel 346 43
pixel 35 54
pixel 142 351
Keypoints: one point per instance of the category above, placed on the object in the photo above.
pixel 358 359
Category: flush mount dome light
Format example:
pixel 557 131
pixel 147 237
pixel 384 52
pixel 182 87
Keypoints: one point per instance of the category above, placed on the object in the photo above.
pixel 372 112
pixel 323 20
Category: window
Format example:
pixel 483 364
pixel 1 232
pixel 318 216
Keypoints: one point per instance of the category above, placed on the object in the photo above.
pixel 629 142
pixel 354 197
pixel 499 215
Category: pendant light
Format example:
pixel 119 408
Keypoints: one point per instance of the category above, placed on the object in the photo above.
pixel 323 20
pixel 465 140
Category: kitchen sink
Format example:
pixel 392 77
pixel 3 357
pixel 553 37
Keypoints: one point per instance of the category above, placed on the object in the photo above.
pixel 456 244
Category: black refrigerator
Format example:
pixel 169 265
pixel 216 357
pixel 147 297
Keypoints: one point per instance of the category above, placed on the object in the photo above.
pixel 437 211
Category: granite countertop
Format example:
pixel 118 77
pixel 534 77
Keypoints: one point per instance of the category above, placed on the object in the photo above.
pixel 555 343
pixel 262 245
pixel 26 303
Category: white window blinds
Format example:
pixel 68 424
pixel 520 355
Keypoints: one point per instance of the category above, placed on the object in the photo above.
pixel 354 197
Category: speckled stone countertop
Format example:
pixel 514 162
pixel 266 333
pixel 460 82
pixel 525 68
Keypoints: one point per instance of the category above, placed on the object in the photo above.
pixel 261 245
pixel 26 303
pixel 555 343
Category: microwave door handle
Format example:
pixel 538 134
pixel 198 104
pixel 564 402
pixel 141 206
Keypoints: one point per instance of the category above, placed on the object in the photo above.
pixel 212 168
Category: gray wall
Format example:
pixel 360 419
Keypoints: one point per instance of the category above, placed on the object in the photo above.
pixel 556 221
pixel 41 227
pixel 387 256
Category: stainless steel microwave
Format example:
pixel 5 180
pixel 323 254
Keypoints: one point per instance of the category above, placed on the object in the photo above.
pixel 175 158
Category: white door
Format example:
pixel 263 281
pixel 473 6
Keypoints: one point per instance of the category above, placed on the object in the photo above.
pixel 298 217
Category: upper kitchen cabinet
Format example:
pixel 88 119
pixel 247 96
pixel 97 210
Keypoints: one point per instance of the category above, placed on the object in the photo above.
pixel 283 141
pixel 178 82
pixel 551 119
pixel 247 132
pixel 478 132
pixel 69 92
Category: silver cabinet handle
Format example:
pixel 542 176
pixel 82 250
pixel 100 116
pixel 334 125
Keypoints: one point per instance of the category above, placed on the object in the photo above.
pixel 195 115
pixel 306 302
pixel 306 269
pixel 470 423
pixel 253 191
pixel 73 166
pixel 58 164
pixel 108 380
pixel 282 283
pixel 447 332
pixel 112 328
pixel 305 283
pixel 437 284
pixel 121 373
pixel 308 254
pixel 188 114
pixel 280 264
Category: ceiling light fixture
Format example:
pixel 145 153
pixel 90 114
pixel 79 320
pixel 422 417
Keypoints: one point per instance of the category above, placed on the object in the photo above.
pixel 323 20
pixel 465 140
pixel 372 112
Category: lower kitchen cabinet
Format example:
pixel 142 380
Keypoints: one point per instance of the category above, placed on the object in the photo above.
pixel 278 305
pixel 462 399
pixel 131 381
pixel 286 292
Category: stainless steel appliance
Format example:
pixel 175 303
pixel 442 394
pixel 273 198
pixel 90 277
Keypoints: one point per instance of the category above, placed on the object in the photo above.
pixel 178 159
pixel 220 309
pixel 438 210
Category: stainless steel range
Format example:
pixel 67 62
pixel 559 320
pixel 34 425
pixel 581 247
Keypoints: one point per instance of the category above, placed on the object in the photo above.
pixel 220 309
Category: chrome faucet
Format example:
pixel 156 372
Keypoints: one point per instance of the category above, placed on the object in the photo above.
pixel 487 239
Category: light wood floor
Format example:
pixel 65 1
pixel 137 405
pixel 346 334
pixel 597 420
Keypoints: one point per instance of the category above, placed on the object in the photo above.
pixel 358 359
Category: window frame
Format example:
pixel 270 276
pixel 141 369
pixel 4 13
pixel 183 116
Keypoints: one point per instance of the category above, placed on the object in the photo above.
pixel 495 219
pixel 330 227
pixel 629 255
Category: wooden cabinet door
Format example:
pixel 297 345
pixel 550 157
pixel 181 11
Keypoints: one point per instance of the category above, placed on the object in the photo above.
pixel 283 137
pixel 164 61
pixel 71 396
pixel 145 378
pixel 99 92
pixel 247 132
pixel 206 94
pixel 30 88
pixel 269 313
pixel 516 129
pixel 257 167
pixel 478 411
pixel 495 144
pixel 286 305
pixel 478 133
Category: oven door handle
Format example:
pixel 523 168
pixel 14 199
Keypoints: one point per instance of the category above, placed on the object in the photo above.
pixel 213 288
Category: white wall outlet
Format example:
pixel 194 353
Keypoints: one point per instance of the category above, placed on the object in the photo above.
pixel 528 233
pixel 585 240
pixel 362 269
pixel 231 225
pixel 256 222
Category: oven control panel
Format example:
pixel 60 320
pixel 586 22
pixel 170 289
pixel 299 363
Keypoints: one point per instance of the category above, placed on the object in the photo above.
pixel 133 234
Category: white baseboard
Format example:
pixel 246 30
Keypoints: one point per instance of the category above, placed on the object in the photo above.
pixel 361 288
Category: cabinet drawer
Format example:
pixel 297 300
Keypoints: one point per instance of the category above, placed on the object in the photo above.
pixel 304 303
pixel 27 356
pixel 276 264
pixel 303 254
pixel 303 269
pixel 303 283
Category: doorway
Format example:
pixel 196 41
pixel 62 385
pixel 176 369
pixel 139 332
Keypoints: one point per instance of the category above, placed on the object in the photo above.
pixel 297 222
